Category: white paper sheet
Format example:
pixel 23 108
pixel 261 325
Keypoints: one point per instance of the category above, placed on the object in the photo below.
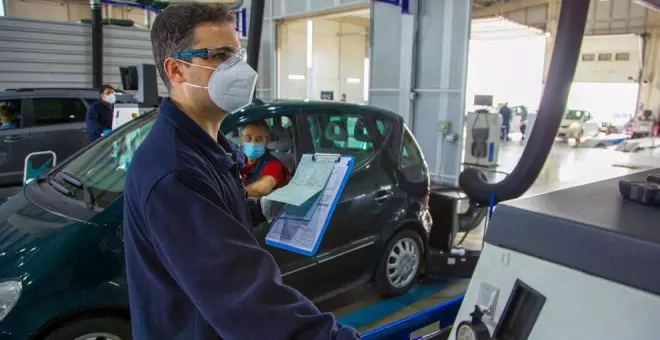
pixel 305 235
pixel 309 179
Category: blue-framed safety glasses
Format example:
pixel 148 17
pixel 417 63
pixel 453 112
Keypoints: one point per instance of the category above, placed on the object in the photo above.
pixel 226 55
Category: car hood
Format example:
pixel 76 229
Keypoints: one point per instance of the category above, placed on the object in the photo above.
pixel 28 232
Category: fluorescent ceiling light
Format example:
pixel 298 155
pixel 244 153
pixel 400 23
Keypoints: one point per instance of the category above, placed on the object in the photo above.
pixel 296 77
pixel 353 80
pixel 365 93
pixel 310 43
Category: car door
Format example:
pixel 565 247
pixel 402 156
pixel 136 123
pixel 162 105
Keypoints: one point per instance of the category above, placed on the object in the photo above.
pixel 58 124
pixel 15 143
pixel 364 208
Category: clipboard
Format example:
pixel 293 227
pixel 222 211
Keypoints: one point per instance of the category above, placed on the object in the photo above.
pixel 305 236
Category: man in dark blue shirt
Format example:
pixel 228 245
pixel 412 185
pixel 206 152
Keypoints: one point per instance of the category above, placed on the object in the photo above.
pixel 505 111
pixel 194 268
pixel 99 114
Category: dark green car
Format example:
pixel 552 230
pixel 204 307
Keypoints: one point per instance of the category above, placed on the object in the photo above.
pixel 62 270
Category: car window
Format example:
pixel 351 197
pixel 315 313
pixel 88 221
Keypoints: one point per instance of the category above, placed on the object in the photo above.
pixel 103 166
pixel 11 110
pixel 342 134
pixel 382 126
pixel 276 125
pixel 410 153
pixel 412 164
pixel 49 111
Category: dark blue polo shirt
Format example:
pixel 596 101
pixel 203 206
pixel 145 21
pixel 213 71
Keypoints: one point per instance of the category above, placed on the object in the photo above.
pixel 98 118
pixel 194 269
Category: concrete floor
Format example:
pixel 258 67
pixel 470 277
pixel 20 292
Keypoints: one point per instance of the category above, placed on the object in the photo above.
pixel 566 167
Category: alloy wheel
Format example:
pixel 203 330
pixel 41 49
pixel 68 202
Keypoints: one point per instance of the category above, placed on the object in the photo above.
pixel 99 336
pixel 402 262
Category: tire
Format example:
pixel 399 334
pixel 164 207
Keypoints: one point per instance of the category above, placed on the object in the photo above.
pixel 96 328
pixel 386 282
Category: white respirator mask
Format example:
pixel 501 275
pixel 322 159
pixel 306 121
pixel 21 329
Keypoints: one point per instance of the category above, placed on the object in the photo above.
pixel 231 86
pixel 111 98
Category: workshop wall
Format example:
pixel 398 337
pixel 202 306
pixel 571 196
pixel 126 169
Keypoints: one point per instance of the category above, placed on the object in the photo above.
pixel 59 54
pixel 70 11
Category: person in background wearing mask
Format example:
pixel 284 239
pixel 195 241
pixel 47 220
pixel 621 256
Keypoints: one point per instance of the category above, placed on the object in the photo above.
pixel 262 172
pixel 194 268
pixel 343 97
pixel 99 114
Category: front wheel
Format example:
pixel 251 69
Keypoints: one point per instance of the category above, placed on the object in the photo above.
pixel 96 328
pixel 400 264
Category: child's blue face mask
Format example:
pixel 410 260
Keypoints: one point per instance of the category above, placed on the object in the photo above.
pixel 254 150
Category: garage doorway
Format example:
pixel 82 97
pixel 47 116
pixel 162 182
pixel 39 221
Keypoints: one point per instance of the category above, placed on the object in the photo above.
pixel 324 57
pixel 505 61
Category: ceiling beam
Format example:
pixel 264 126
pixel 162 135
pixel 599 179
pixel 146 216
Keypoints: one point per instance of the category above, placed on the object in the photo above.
pixel 502 8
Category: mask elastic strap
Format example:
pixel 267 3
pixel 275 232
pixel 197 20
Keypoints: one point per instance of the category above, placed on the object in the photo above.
pixel 197 86
pixel 191 64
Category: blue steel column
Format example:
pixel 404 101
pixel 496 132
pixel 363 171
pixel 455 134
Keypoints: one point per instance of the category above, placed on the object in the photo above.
pixel 419 70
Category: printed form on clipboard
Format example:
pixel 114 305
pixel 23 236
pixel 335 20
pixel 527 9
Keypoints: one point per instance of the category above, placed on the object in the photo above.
pixel 300 228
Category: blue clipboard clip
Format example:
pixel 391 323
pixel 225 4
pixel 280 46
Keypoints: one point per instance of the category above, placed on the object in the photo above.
pixel 328 155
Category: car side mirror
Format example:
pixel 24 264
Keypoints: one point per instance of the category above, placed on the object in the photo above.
pixel 37 164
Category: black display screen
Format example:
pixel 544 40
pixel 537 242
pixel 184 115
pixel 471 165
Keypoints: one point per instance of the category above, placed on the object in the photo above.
pixel 520 313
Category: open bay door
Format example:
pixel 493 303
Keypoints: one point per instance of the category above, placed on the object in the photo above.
pixel 506 61
pixel 607 78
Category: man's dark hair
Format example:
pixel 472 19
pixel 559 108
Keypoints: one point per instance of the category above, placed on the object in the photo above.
pixel 259 123
pixel 174 29
pixel 105 87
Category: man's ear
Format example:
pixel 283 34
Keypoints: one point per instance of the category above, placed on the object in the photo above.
pixel 176 72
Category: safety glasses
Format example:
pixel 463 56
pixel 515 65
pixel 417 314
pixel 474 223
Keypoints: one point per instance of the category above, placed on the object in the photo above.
pixel 224 54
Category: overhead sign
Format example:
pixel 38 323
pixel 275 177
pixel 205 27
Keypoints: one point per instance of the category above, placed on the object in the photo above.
pixel 157 6
pixel 241 21
pixel 404 4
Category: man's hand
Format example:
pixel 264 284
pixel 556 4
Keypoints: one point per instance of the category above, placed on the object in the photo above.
pixel 262 187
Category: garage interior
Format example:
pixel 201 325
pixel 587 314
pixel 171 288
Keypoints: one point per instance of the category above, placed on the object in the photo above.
pixel 324 56
pixel 438 66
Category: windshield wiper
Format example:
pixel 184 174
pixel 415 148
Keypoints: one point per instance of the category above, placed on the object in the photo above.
pixel 88 195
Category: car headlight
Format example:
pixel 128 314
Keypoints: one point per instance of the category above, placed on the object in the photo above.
pixel 10 291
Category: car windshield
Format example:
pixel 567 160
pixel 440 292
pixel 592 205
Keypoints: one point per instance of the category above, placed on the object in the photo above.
pixel 574 114
pixel 102 168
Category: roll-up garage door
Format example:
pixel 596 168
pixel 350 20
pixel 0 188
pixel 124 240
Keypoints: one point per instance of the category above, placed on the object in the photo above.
pixel 607 76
